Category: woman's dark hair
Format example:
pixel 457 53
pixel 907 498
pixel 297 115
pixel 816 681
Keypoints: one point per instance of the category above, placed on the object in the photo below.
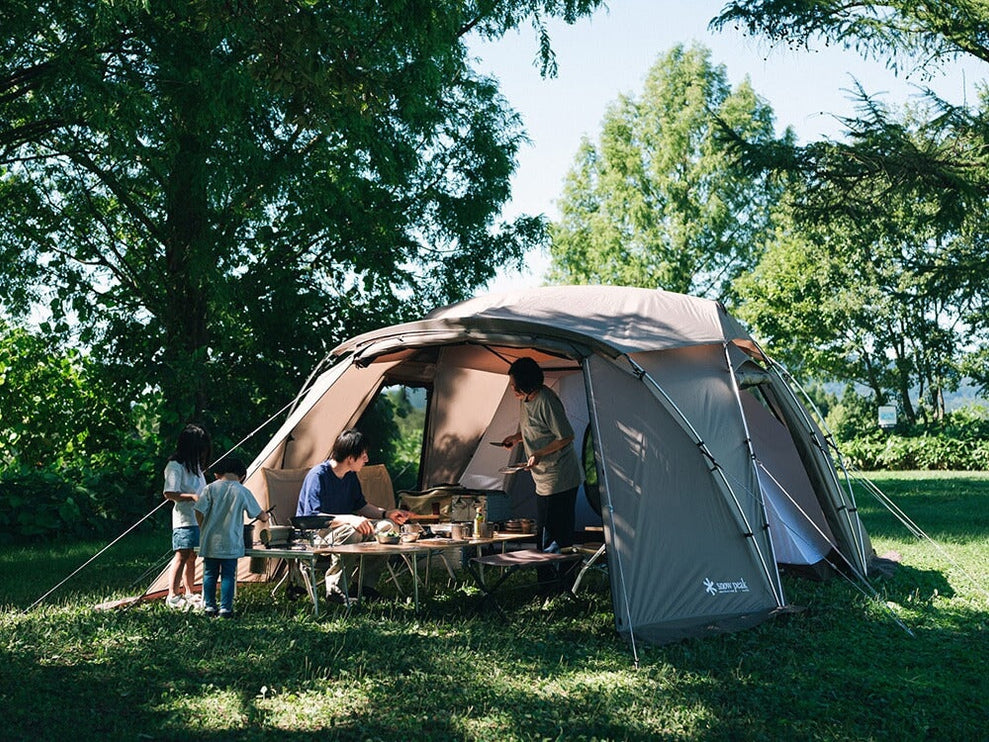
pixel 192 449
pixel 526 374
pixel 349 443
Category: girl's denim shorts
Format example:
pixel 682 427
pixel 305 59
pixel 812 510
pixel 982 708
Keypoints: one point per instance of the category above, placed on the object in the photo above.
pixel 186 537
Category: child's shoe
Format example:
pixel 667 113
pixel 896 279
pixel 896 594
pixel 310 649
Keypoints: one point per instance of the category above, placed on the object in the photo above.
pixel 176 602
pixel 226 614
pixel 210 612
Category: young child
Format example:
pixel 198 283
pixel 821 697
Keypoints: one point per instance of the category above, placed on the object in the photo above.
pixel 220 511
pixel 183 482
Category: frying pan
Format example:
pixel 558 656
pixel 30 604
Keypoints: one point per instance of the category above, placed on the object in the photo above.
pixel 311 522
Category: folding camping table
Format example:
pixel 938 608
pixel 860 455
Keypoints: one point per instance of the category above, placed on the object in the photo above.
pixel 410 554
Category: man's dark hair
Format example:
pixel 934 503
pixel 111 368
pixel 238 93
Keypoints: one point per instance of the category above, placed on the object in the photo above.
pixel 526 374
pixel 349 443
pixel 230 465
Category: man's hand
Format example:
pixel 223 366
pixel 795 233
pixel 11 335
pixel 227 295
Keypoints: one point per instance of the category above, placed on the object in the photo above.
pixel 398 516
pixel 358 522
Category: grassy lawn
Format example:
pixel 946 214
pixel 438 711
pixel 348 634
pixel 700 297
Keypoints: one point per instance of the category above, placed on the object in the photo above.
pixel 842 669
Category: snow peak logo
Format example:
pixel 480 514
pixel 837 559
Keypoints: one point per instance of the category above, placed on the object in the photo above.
pixel 721 588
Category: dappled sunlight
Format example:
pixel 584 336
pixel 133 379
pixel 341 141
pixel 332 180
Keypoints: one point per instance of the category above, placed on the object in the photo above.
pixel 548 669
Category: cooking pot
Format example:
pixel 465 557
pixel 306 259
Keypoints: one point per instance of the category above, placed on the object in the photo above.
pixel 460 531
pixel 274 536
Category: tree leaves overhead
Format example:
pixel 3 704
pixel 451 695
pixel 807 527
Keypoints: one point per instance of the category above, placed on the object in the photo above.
pixel 191 174
pixel 946 158
pixel 897 32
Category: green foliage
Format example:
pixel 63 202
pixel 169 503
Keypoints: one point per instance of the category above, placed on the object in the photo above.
pixel 895 214
pixel 658 201
pixel 960 442
pixel 38 504
pixel 75 458
pixel 925 452
pixel 395 428
pixel 211 194
pixel 54 408
pixel 899 33
pixel 895 317
pixel 851 416
pixel 77 501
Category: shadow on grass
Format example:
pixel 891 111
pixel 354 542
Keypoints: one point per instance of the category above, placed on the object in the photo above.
pixel 842 669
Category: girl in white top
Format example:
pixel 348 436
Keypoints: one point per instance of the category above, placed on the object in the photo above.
pixel 184 481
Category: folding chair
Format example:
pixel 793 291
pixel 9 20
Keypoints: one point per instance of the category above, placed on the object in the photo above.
pixel 511 562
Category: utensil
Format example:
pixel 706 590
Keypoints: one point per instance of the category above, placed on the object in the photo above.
pixel 387 538
pixel 512 469
pixel 249 529
pixel 460 531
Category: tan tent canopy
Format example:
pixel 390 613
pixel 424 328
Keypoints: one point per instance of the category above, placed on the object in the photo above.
pixel 711 474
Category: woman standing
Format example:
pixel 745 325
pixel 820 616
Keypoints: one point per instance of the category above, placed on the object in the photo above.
pixel 547 438
pixel 184 481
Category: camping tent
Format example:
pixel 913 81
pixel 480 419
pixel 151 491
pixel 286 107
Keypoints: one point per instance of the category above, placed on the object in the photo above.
pixel 710 472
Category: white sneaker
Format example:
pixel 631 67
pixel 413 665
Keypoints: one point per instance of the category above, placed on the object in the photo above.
pixel 194 601
pixel 176 602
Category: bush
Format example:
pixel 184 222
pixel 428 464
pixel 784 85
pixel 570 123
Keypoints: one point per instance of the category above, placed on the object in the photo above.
pixel 39 504
pixel 113 491
pixel 924 452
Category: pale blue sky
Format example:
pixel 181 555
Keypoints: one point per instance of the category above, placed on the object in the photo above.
pixel 610 53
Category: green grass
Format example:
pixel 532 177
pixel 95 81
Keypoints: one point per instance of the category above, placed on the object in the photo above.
pixel 842 669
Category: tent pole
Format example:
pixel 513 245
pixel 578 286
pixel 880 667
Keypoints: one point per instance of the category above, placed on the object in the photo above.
pixel 603 472
pixel 760 497
pixel 807 518
pixel 671 406
pixel 848 497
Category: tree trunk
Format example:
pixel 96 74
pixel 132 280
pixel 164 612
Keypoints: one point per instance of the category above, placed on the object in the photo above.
pixel 188 259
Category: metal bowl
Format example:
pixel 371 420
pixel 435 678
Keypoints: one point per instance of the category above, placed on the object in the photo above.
pixel 409 538
pixel 386 538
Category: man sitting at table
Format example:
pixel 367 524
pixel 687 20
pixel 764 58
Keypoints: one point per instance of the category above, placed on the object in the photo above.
pixel 332 488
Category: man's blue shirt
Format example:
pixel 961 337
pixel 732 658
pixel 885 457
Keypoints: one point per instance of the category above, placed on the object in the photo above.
pixel 325 492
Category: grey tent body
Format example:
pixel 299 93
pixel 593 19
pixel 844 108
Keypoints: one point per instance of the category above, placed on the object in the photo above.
pixel 711 474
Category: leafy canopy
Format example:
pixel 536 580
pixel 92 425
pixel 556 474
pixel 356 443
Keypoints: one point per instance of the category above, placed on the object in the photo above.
pixel 210 194
pixel 658 201
pixel 906 191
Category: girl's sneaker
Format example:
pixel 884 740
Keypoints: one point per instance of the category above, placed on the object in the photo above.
pixel 176 602
pixel 226 614
pixel 210 612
